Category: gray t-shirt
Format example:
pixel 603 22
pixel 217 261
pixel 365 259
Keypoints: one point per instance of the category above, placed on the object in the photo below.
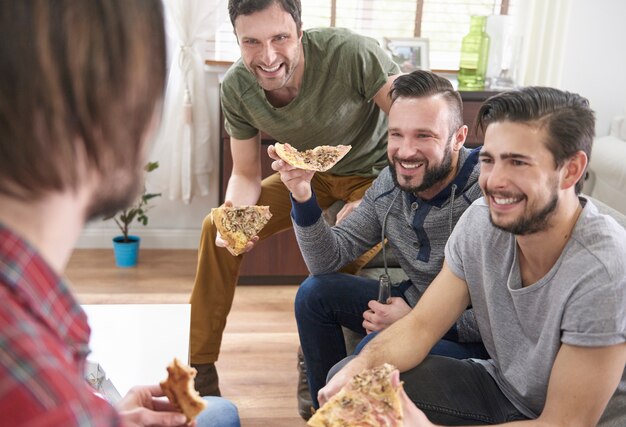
pixel 580 302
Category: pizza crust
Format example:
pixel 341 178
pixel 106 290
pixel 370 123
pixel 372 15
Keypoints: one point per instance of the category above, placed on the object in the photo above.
pixel 368 400
pixel 238 224
pixel 319 159
pixel 179 389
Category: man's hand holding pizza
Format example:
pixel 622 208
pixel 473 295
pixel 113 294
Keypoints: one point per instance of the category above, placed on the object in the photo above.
pixel 413 416
pixel 385 401
pixel 296 169
pixel 221 243
pixel 340 379
pixel 141 407
pixel 297 181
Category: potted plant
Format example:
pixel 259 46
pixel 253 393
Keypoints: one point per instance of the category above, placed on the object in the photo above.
pixel 126 246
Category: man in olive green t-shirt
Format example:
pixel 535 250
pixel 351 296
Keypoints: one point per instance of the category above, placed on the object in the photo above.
pixel 306 88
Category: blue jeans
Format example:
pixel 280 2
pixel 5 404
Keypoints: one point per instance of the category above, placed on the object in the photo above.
pixel 327 302
pixel 219 412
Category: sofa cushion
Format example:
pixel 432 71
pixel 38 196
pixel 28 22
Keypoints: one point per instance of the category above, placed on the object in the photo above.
pixel 608 164
pixel 607 210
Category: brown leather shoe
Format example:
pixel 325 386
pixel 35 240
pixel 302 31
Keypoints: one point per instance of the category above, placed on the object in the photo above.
pixel 305 403
pixel 207 382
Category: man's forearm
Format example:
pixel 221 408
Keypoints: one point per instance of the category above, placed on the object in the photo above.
pixel 326 249
pixel 243 190
pixel 406 343
pixel 401 344
pixel 314 236
pixel 303 194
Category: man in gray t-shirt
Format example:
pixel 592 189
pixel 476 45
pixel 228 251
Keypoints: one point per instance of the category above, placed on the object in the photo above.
pixel 544 272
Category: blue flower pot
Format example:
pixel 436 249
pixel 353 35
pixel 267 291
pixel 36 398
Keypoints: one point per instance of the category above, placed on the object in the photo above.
pixel 126 253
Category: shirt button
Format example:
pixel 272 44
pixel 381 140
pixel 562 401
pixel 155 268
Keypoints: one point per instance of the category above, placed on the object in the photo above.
pixel 416 244
pixel 414 206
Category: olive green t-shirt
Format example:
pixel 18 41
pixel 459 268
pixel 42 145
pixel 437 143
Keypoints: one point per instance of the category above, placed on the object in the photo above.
pixel 343 71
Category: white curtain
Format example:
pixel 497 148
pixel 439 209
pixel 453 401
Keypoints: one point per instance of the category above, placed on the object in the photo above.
pixel 546 25
pixel 186 146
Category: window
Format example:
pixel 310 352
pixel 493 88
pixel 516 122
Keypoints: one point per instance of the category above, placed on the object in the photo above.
pixel 442 22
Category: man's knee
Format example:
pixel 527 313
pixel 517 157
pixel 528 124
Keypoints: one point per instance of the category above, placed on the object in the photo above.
pixel 431 377
pixel 312 291
pixel 338 367
pixel 207 223
pixel 306 291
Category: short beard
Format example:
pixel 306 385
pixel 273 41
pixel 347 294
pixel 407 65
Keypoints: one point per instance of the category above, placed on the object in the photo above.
pixel 432 175
pixel 533 222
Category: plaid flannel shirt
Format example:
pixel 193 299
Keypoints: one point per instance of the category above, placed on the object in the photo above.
pixel 44 337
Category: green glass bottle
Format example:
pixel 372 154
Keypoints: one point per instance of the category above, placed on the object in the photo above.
pixel 474 55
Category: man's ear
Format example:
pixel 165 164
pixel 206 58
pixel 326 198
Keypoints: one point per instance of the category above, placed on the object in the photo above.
pixel 459 138
pixel 573 169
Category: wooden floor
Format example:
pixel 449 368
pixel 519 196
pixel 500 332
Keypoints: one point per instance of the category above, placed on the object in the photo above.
pixel 257 365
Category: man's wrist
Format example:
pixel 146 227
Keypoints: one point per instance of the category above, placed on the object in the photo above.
pixel 304 197
pixel 305 213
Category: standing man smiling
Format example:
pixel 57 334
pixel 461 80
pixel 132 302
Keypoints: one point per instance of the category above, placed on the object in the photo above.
pixel 306 88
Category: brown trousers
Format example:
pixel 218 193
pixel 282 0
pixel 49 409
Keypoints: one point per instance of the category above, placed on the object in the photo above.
pixel 218 270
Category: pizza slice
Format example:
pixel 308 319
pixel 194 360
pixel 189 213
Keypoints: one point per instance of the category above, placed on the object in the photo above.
pixel 238 224
pixel 180 391
pixel 318 159
pixel 368 400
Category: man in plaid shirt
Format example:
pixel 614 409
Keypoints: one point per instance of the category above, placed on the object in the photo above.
pixel 80 93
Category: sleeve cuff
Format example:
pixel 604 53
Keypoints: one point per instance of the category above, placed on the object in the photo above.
pixel 307 213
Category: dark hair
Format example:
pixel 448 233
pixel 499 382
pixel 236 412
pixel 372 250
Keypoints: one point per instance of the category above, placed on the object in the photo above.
pixel 421 84
pixel 80 84
pixel 247 7
pixel 567 117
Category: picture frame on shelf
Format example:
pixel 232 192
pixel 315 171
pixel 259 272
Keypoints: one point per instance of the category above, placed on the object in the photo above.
pixel 410 53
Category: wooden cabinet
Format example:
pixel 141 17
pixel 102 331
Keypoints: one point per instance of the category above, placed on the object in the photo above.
pixel 277 259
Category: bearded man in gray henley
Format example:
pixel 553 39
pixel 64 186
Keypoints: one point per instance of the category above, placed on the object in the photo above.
pixel 417 200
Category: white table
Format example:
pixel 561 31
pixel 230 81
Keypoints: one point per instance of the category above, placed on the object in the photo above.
pixel 135 342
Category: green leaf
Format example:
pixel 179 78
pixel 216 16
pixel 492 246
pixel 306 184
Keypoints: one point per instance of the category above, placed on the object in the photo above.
pixel 137 211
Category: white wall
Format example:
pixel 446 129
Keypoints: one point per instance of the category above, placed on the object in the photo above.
pixel 172 224
pixel 595 67
pixel 595 57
